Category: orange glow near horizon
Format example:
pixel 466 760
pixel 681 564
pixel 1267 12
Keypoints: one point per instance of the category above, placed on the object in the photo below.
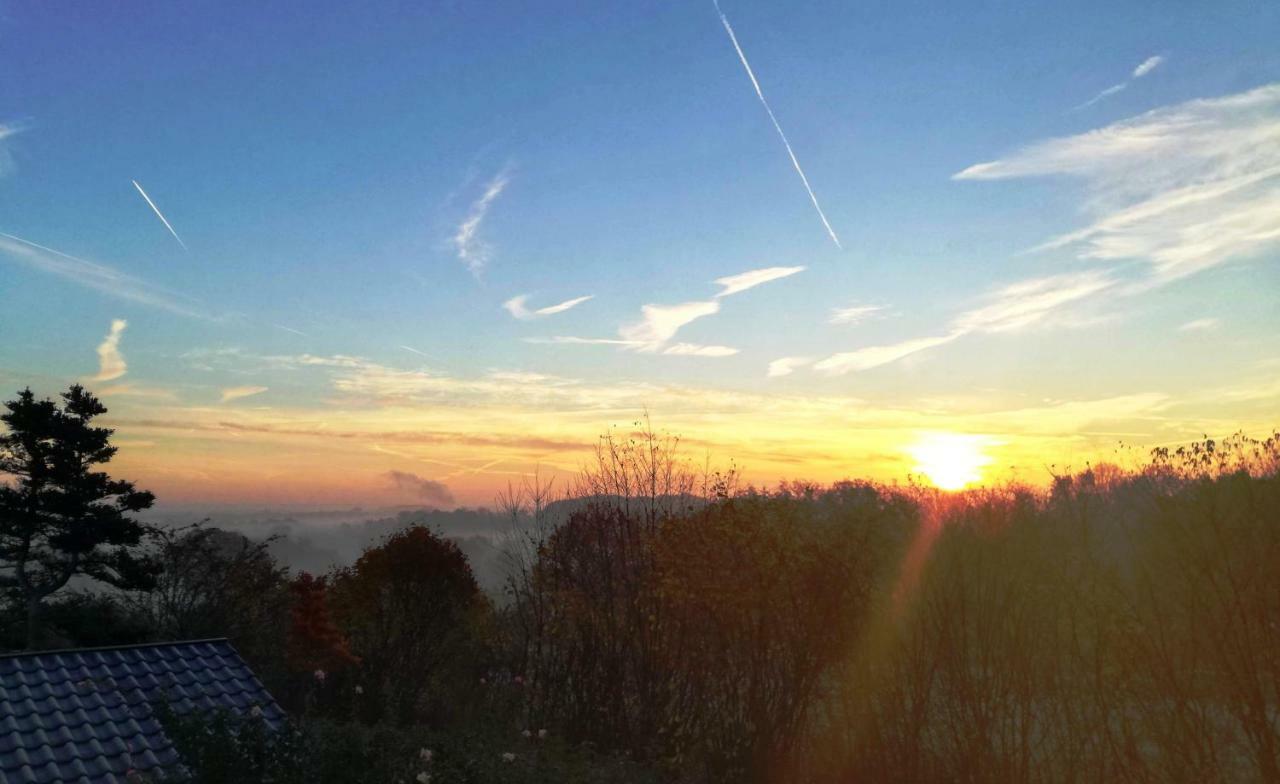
pixel 464 439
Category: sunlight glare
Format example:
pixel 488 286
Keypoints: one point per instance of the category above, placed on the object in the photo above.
pixel 951 461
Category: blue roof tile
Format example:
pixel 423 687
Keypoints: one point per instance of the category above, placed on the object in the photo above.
pixel 86 716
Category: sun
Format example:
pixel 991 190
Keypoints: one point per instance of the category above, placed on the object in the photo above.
pixel 951 461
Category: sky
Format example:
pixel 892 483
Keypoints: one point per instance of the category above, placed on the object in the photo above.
pixel 410 253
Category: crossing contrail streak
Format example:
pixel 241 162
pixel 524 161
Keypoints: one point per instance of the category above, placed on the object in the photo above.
pixel 760 94
pixel 159 214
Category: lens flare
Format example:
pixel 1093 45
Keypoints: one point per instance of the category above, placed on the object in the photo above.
pixel 951 461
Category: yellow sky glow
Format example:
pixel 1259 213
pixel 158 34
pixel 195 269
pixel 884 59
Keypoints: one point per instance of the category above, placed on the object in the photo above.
pixel 476 435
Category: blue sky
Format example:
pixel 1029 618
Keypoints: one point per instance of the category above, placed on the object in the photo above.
pixel 320 166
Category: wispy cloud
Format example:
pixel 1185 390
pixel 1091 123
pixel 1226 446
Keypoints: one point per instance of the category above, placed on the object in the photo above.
pixel 517 308
pixel 854 315
pixel 140 391
pixel 310 360
pixel 875 356
pixel 659 324
pixel 8 130
pixel 1200 325
pixel 570 340
pixel 525 377
pixel 111 364
pixel 1145 67
pixel 760 94
pixel 472 250
pixel 787 365
pixel 1032 301
pixel 159 214
pixel 734 284
pixel 239 360
pixel 451 401
pixel 695 350
pixel 236 393
pixel 1019 305
pixel 1182 188
pixel 425 489
pixel 96 276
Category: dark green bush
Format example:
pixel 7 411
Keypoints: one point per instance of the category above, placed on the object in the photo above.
pixel 224 749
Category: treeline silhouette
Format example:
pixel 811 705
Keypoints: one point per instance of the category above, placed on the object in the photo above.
pixel 660 622
pixel 318 541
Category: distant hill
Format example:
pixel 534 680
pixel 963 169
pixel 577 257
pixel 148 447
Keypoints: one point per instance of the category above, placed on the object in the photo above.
pixel 316 541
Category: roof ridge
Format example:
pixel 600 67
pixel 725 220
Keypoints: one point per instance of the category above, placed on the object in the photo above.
pixel 167 643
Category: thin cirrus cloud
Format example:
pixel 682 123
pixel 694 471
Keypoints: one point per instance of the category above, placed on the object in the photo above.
pixel 238 393
pixel 1033 301
pixel 111 363
pixel 159 214
pixel 742 57
pixel 518 309
pixel 8 130
pixel 1143 68
pixel 370 403
pixel 735 284
pixel 695 350
pixel 472 250
pixel 854 315
pixel 98 277
pixel 138 391
pixel 1017 306
pixel 1200 325
pixel 433 418
pixel 1182 188
pixel 875 356
pixel 570 340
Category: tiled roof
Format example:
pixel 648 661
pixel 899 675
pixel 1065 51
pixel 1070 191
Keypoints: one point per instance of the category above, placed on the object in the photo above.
pixel 84 715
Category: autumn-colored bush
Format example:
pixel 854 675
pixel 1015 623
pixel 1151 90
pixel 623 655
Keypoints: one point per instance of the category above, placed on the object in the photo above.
pixel 316 645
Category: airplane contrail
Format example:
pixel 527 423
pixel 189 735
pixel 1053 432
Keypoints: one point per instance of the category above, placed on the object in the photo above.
pixel 159 214
pixel 413 350
pixel 100 277
pixel 760 94
pixel 1145 67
